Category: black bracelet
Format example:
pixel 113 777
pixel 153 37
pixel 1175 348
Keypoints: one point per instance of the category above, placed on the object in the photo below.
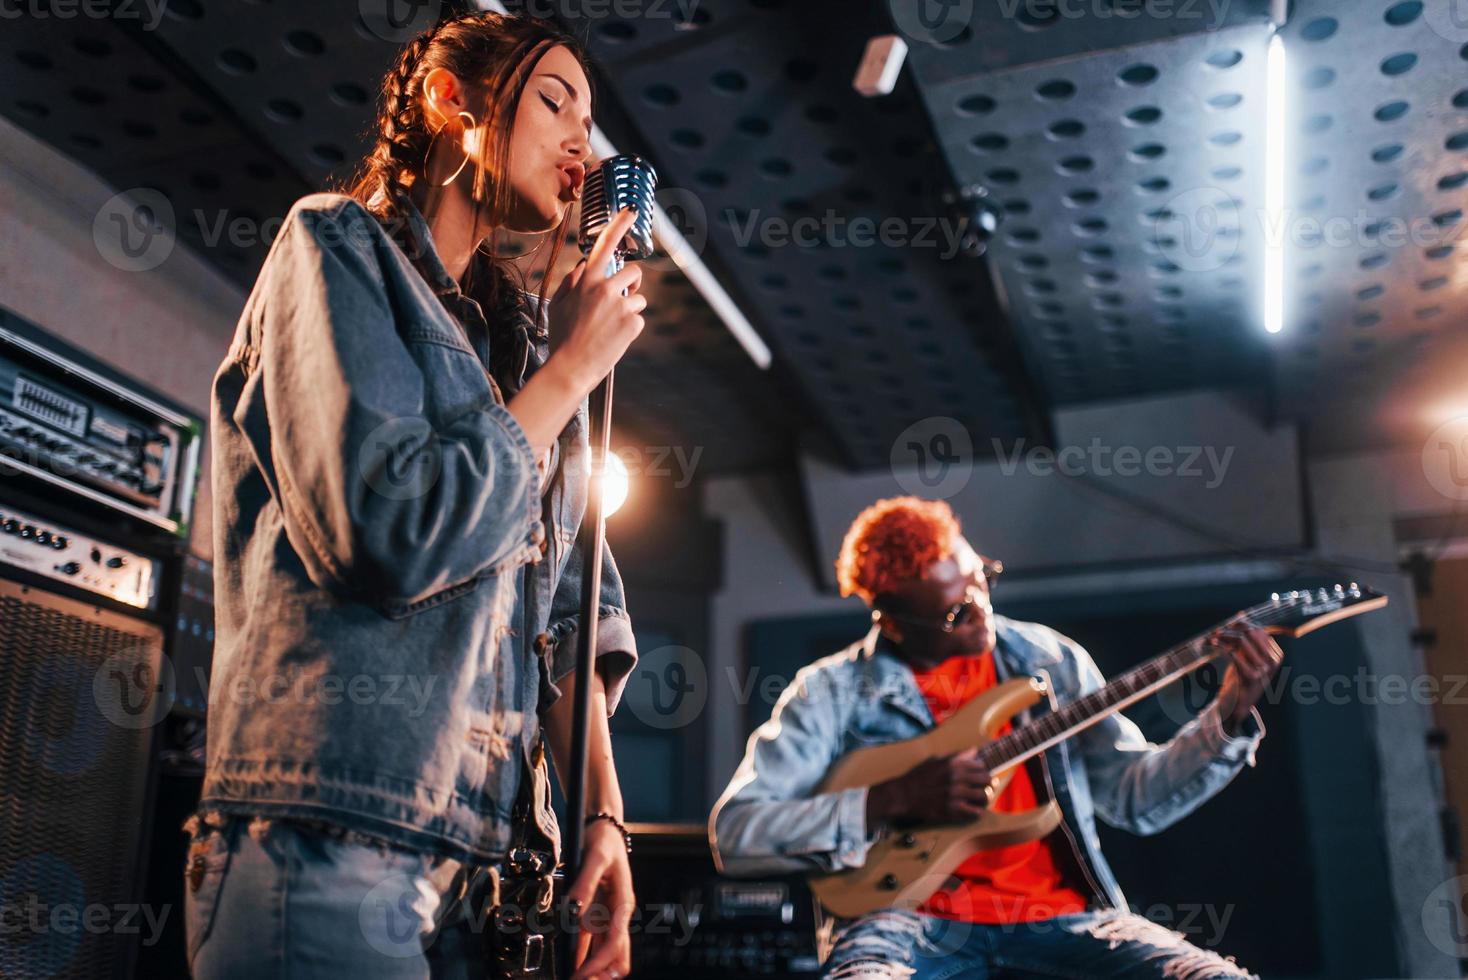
pixel 604 815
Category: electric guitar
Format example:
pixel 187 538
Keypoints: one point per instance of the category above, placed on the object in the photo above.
pixel 906 866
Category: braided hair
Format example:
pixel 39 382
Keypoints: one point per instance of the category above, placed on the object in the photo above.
pixel 489 52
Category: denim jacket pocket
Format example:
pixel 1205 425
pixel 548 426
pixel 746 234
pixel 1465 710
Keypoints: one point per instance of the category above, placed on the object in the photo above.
pixel 208 860
pixel 528 552
pixel 402 610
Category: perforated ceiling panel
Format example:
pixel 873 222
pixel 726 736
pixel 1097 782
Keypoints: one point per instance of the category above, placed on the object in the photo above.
pixel 96 89
pixel 1102 163
pixel 1377 296
pixel 749 112
pixel 1129 153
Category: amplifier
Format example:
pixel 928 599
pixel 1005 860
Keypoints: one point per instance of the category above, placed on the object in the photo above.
pixel 55 551
pixel 696 922
pixel 68 423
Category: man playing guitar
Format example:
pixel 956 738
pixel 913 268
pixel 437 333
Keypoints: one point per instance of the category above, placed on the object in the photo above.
pixel 1045 907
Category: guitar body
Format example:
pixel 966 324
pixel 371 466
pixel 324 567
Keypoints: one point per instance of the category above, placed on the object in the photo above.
pixel 905 867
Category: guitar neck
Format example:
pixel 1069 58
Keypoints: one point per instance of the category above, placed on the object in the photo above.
pixel 1289 614
pixel 1030 740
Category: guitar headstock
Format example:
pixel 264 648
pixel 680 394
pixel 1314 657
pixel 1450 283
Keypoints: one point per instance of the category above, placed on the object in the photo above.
pixel 1296 613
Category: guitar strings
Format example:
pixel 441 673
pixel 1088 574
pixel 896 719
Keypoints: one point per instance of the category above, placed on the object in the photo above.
pixel 1100 701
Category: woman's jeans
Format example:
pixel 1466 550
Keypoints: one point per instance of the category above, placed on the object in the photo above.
pixel 270 900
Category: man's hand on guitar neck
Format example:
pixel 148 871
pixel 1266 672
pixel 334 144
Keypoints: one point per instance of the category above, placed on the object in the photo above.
pixel 947 789
pixel 1256 658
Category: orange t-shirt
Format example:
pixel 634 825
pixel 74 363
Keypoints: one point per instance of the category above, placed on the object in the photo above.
pixel 1020 883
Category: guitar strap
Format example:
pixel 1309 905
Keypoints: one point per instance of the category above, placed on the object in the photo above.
pixel 520 939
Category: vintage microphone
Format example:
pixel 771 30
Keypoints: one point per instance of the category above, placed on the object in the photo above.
pixel 620 182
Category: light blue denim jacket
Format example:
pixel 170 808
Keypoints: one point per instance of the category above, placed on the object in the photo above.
pixel 396 583
pixel 770 820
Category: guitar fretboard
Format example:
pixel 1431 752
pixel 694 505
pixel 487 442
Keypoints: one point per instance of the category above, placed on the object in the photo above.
pixel 1293 614
pixel 1070 718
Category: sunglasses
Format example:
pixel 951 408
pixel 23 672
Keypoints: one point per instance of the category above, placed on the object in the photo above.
pixel 961 612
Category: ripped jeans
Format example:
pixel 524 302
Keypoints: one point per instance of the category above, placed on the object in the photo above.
pixel 1081 946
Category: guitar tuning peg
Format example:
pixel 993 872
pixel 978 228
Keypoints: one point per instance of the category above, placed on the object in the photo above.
pixel 1274 596
pixel 1339 589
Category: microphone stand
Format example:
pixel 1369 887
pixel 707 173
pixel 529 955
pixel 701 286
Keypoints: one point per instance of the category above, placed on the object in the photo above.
pixel 625 181
pixel 590 539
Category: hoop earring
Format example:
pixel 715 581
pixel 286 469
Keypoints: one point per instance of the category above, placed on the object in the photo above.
pixel 434 139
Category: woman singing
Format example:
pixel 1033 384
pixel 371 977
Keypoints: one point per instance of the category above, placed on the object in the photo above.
pixel 399 473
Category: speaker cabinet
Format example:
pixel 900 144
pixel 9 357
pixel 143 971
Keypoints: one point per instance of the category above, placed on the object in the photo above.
pixel 82 690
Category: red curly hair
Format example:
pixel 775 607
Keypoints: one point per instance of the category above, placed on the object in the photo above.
pixel 893 541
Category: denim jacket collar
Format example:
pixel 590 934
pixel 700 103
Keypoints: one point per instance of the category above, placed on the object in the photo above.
pixel 422 251
pixel 424 254
pixel 893 681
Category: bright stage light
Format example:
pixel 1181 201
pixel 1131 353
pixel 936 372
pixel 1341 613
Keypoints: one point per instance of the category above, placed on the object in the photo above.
pixel 616 485
pixel 1275 233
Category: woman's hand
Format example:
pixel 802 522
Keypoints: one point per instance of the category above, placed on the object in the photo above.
pixel 603 884
pixel 592 321
pixel 592 325
pixel 603 902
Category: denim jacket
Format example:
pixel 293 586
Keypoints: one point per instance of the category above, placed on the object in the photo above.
pixel 770 820
pixel 396 583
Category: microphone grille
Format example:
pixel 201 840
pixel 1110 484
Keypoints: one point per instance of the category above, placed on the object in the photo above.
pixel 625 181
